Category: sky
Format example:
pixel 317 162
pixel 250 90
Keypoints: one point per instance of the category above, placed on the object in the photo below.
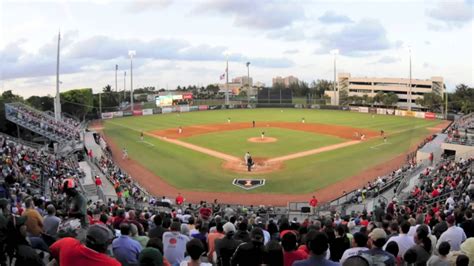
pixel 187 42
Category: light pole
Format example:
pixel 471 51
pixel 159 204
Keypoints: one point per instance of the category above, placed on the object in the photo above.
pixel 248 82
pixel 335 52
pixel 124 85
pixel 116 90
pixel 131 54
pixel 409 88
pixel 57 99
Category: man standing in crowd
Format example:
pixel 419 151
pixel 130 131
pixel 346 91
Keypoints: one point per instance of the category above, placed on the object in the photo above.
pixel 226 246
pixel 250 253
pixel 318 244
pixel 313 203
pixel 376 255
pixel 51 222
pixel 403 240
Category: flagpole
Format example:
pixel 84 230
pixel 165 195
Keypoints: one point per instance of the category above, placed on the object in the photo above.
pixel 227 82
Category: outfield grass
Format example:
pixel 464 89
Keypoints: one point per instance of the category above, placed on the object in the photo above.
pixel 181 167
pixel 289 141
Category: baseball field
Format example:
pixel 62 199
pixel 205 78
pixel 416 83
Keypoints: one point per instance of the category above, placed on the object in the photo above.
pixel 303 152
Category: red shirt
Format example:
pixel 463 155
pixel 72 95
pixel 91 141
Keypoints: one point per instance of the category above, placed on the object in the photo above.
pixel 179 200
pixel 98 182
pixel 313 202
pixel 435 193
pixel 69 251
pixel 292 256
pixel 205 213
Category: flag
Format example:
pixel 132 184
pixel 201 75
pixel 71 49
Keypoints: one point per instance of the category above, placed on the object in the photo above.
pixel 222 76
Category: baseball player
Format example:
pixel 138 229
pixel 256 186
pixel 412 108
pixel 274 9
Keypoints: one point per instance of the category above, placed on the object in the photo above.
pixel 263 135
pixel 180 130
pixel 246 157
pixel 124 154
pixel 302 120
pixel 249 163
pixel 253 123
pixel 141 135
pixel 385 139
pixel 362 137
pixel 228 120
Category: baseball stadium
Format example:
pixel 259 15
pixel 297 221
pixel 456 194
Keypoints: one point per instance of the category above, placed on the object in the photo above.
pixel 302 152
pixel 236 133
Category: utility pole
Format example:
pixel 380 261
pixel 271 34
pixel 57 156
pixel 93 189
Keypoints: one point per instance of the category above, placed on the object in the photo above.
pixel 227 82
pixel 100 104
pixel 124 85
pixel 248 82
pixel 131 54
pixel 409 88
pixel 57 99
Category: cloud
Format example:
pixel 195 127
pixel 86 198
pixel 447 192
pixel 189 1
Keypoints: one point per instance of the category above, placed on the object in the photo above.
pixel 291 51
pixel 253 14
pixel 138 6
pixel 387 60
pixel 289 33
pixel 330 17
pixel 100 52
pixel 450 14
pixel 357 39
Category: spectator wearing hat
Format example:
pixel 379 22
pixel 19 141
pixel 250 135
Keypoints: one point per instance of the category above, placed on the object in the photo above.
pixel 250 253
pixel 78 203
pixel 403 240
pixel 290 252
pixel 453 235
pixel 318 244
pixel 359 243
pixel 174 244
pixel 226 246
pixel 126 249
pixel 376 255
pixel 69 251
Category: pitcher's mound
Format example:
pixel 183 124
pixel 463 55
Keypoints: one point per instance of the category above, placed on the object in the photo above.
pixel 264 140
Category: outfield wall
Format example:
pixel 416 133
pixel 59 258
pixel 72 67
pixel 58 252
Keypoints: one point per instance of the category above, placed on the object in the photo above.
pixel 193 108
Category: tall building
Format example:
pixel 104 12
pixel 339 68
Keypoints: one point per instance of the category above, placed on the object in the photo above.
pixel 244 81
pixel 286 81
pixel 360 86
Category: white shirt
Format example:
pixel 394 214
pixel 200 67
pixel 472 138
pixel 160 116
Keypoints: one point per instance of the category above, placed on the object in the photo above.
pixel 454 236
pixel 174 246
pixel 350 253
pixel 404 242
pixel 412 231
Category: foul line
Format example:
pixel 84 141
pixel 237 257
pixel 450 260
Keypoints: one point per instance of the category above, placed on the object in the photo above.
pixel 223 156
pixel 375 147
pixel 146 142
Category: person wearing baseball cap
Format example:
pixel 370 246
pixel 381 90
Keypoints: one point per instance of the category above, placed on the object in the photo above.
pixel 227 245
pixel 69 251
pixel 376 255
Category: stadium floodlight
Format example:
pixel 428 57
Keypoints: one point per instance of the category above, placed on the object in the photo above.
pixel 131 54
pixel 408 48
pixel 335 52
pixel 248 82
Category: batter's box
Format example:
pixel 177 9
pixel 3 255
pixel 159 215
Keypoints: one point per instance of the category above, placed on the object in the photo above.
pixel 248 183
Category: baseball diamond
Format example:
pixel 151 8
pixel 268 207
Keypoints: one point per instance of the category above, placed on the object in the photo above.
pixel 325 154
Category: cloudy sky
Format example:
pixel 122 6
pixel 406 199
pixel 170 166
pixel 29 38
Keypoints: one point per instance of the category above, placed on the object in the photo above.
pixel 183 42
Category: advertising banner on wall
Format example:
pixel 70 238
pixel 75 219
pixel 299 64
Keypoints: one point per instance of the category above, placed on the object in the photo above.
pixel 147 111
pixel 203 107
pixel 420 114
pixel 193 108
pixel 354 109
pixel 430 115
pixel 372 110
pixel 187 96
pixel 409 113
pixel 166 110
pixel 127 113
pixel 390 111
pixel 363 109
pixel 183 108
pixel 439 116
pixel 137 112
pixel 157 110
pixel 381 111
pixel 118 114
pixel 109 115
